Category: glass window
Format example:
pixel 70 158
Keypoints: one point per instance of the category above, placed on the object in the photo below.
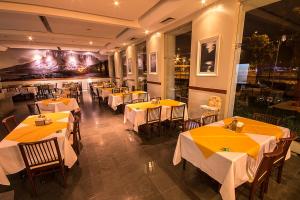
pixel 268 73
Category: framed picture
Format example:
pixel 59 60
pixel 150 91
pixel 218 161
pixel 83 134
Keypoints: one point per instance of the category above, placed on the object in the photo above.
pixel 153 63
pixel 129 65
pixel 207 56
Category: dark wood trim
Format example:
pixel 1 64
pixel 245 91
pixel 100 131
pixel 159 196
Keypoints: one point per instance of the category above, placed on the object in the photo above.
pixel 208 89
pixel 153 82
pixel 130 80
pixel 117 78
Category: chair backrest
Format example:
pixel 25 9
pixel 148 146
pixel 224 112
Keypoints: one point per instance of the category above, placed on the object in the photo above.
pixel 33 109
pixel 266 118
pixel 127 98
pixel 208 119
pixel 157 98
pixel 177 112
pixel 38 154
pixel 153 115
pixel 264 169
pixel 116 90
pixel 137 100
pixel 191 124
pixel 215 101
pixel 10 123
pixel 286 143
pixel 143 96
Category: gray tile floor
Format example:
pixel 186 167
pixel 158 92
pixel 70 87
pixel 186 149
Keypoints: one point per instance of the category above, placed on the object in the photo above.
pixel 115 163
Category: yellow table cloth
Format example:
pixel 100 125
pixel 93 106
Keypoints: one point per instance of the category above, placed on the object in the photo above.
pixel 257 127
pixel 212 139
pixel 145 105
pixel 33 133
pixel 66 101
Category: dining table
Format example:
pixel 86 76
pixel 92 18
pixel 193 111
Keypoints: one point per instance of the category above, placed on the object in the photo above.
pixel 229 157
pixel 60 127
pixel 116 99
pixel 57 105
pixel 135 114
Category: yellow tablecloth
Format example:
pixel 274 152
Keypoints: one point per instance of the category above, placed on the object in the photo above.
pixel 145 105
pixel 257 127
pixel 66 101
pixel 133 92
pixel 212 139
pixel 32 133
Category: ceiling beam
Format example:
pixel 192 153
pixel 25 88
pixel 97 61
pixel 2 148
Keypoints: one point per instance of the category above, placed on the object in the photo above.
pixel 53 35
pixel 55 12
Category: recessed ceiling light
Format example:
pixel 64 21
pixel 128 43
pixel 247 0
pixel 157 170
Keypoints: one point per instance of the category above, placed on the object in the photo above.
pixel 30 38
pixel 124 44
pixel 116 3
pixel 203 1
pixel 146 32
pixel 91 42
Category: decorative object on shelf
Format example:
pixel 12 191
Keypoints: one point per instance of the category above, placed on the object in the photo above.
pixel 129 65
pixel 207 56
pixel 153 63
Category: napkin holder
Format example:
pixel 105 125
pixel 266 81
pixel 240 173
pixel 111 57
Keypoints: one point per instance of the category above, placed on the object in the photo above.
pixel 235 125
pixel 154 101
pixel 41 120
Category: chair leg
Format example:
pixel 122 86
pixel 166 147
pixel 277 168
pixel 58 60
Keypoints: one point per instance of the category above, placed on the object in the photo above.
pixel 63 175
pixel 279 174
pixel 184 164
pixel 32 184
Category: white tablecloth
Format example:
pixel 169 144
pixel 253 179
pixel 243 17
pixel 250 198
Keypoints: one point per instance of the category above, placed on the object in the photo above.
pixel 58 106
pixel 11 160
pixel 138 117
pixel 115 100
pixel 231 169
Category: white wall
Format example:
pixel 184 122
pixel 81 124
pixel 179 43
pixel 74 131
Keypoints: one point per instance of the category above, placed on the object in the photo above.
pixel 219 19
pixel 131 77
pixel 118 67
pixel 155 43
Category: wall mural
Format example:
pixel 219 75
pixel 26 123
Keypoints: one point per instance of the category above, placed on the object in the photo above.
pixel 41 64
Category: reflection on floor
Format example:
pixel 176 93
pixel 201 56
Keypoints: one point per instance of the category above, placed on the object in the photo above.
pixel 116 164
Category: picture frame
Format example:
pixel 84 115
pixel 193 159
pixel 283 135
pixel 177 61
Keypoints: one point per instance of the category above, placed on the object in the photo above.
pixel 208 56
pixel 129 65
pixel 153 63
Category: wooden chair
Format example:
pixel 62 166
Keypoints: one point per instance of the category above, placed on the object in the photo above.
pixel 75 135
pixel 266 118
pixel 261 178
pixel 33 109
pixel 41 158
pixel 99 95
pixel 153 119
pixel 157 98
pixel 10 123
pixel 177 116
pixel 127 98
pixel 115 90
pixel 137 101
pixel 77 113
pixel 143 96
pixel 191 124
pixel 279 160
pixel 74 94
pixel 208 119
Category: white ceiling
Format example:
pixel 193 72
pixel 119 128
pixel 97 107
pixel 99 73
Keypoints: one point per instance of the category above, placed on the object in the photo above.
pixel 74 23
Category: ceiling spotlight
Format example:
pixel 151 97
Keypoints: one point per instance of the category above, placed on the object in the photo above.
pixel 146 32
pixel 91 42
pixel 116 3
pixel 203 1
pixel 30 38
pixel 124 44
